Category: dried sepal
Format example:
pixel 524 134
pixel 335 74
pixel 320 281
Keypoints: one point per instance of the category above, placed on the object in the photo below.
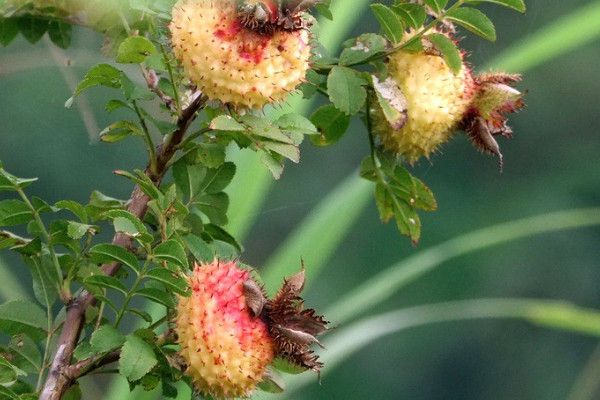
pixel 268 16
pixel 485 118
pixel 255 296
pixel 293 328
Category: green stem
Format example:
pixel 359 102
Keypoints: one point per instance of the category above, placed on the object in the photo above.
pixel 548 313
pixel 386 283
pixel 131 292
pixel 147 137
pixel 171 78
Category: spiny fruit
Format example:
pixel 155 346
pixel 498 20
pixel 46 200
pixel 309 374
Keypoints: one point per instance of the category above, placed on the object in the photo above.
pixel 435 100
pixel 225 347
pixel 228 54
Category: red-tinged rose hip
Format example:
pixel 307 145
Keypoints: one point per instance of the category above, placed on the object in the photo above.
pixel 226 348
pixel 233 63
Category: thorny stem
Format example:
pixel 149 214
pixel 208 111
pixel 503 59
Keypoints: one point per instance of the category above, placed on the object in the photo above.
pixel 60 378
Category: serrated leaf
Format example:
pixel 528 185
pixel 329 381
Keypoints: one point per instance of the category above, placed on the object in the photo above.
pixel 74 207
pixel 407 220
pixel 76 230
pixel 474 20
pixel 108 253
pixel 188 177
pixel 32 28
pixel 214 206
pixel 105 339
pixel 173 282
pixel 390 22
pixel 296 123
pixel 134 50
pixel 274 163
pixel 448 49
pixel 345 90
pixel 211 155
pixel 199 248
pixel 11 182
pixel 171 251
pixel 119 130
pixel 384 202
pixel 218 233
pixel 518 5
pixel 436 5
pixel 413 15
pixel 20 316
pixel 8 372
pixel 392 102
pixel 45 282
pixel 331 125
pixel 157 296
pixel 105 282
pixel 60 33
pixel 145 184
pixel 101 74
pixel 14 212
pixel 365 47
pixel 26 354
pixel 137 358
pixel 9 29
pixel 289 151
pixel 219 178
pixel 132 91
pixel 226 123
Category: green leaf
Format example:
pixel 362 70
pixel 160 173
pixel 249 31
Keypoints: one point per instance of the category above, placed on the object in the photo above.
pixel 226 123
pixel 345 90
pixel 274 163
pixel 134 50
pixel 413 15
pixel 171 251
pixel 137 358
pixel 106 282
pixel 211 155
pixel 26 354
pixel 101 74
pixel 9 29
pixel 272 381
pixel 11 182
pixel 105 339
pixel 218 233
pixel 8 394
pixel 448 49
pixel 518 5
pixel 189 178
pixel 108 253
pixel 289 151
pixel 474 20
pixel 74 207
pixel 45 282
pixel 145 184
pixel 392 101
pixel 407 220
pixel 32 28
pixel 76 229
pixel 60 33
pixel 132 91
pixel 390 22
pixel 199 248
pixel 436 5
pixel 119 130
pixel 331 124
pixel 217 179
pixel 20 316
pixel 214 206
pixel 157 296
pixel 384 202
pixel 14 212
pixel 8 373
pixel 365 46
pixel 296 123
pixel 170 280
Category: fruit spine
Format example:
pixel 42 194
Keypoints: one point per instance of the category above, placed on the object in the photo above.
pixel 231 62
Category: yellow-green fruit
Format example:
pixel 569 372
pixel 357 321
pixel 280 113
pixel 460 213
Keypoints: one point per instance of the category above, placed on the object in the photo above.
pixel 225 348
pixel 436 100
pixel 234 64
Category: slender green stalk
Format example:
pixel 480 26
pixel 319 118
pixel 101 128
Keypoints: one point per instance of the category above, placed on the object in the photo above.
pixel 131 292
pixel 564 34
pixel 147 137
pixel 386 283
pixel 547 313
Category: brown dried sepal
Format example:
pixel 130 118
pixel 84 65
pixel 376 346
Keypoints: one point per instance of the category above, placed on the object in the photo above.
pixel 485 118
pixel 269 16
pixel 293 328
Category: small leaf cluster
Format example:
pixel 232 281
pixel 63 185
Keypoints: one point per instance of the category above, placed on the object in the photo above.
pixel 357 80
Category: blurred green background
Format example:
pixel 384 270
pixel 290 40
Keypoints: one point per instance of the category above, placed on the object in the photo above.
pixel 551 164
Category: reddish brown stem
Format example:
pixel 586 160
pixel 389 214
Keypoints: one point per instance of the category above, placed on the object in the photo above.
pixel 60 377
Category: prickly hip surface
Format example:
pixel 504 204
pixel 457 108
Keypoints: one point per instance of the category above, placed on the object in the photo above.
pixel 233 64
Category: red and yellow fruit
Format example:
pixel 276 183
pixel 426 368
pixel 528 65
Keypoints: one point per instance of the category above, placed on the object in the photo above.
pixel 225 347
pixel 232 63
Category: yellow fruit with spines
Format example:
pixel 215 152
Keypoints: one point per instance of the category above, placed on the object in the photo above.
pixel 232 63
pixel 436 100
